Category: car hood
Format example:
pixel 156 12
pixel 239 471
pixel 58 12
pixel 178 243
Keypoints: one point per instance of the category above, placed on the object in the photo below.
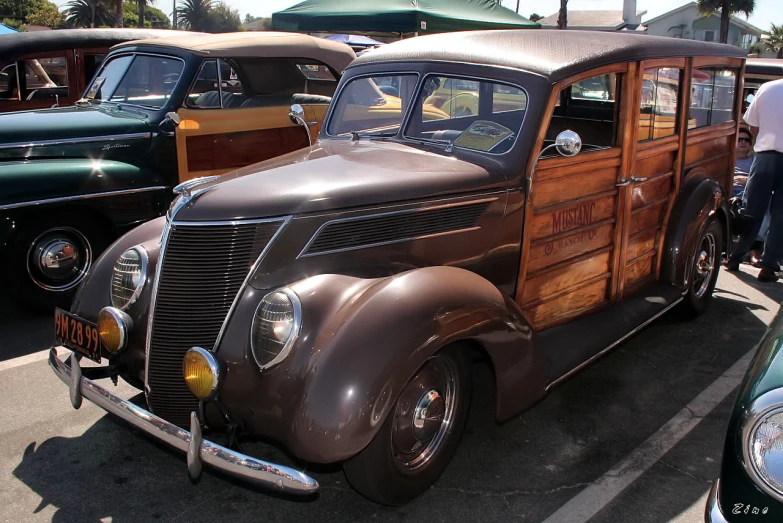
pixel 61 131
pixel 334 174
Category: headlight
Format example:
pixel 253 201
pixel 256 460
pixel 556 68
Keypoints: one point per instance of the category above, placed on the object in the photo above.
pixel 275 327
pixel 130 273
pixel 763 443
pixel 113 328
pixel 201 371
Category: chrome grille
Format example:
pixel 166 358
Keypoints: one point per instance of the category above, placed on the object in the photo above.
pixel 202 271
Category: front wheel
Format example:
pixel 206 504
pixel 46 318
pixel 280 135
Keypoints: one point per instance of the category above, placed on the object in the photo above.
pixel 703 271
pixel 420 435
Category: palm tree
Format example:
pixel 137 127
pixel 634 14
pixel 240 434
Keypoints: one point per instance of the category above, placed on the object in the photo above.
pixel 87 13
pixel 142 5
pixel 773 40
pixel 192 14
pixel 562 16
pixel 117 13
pixel 726 9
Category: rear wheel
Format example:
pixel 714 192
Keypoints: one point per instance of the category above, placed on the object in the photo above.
pixel 703 271
pixel 420 435
pixel 51 257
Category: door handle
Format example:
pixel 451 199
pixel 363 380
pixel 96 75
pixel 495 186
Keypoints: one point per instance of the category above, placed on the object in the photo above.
pixel 623 183
pixel 637 180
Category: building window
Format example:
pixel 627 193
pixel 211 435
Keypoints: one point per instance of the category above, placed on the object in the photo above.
pixel 709 36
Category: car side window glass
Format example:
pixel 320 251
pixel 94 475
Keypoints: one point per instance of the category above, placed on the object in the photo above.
pixel 588 107
pixel 205 93
pixel 9 86
pixel 712 96
pixel 45 78
pixel 658 103
pixel 91 64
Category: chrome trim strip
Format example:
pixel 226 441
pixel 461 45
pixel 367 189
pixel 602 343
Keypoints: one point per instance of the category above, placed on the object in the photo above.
pixel 304 254
pixel 613 345
pixel 768 403
pixel 285 221
pixel 246 468
pixel 82 197
pixel 72 141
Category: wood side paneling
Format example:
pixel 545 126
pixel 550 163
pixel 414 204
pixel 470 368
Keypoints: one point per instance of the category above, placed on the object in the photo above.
pixel 642 243
pixel 571 215
pixel 659 164
pixel 707 149
pixel 647 217
pixel 638 270
pixel 717 167
pixel 548 283
pixel 569 305
pixel 545 253
pixel 651 190
pixel 589 182
pixel 233 150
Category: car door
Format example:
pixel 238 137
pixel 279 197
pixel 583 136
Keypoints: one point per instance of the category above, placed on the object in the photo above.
pixel 573 224
pixel 236 112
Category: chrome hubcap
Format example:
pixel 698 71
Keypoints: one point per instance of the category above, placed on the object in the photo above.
pixel 424 413
pixel 704 265
pixel 59 259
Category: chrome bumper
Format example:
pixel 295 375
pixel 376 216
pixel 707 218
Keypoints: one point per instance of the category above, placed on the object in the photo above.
pixel 712 512
pixel 198 450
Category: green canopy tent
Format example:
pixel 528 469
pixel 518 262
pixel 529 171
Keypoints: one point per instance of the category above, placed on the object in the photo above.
pixel 397 16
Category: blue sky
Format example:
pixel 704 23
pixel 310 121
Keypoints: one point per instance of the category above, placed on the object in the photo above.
pixel 763 15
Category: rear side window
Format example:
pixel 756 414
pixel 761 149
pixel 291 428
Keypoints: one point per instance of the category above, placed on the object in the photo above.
pixel 658 103
pixel 712 96
pixel 45 78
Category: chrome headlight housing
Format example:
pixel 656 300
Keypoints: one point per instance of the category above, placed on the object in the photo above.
pixel 276 325
pixel 128 277
pixel 762 443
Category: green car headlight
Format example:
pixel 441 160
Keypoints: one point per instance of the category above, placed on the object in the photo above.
pixel 276 325
pixel 762 443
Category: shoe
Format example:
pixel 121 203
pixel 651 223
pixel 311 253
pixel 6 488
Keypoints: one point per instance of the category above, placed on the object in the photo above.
pixel 732 266
pixel 767 276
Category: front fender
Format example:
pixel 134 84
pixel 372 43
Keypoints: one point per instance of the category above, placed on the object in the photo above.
pixel 699 199
pixel 366 349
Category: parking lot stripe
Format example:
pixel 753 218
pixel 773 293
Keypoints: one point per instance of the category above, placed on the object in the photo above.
pixel 24 360
pixel 591 500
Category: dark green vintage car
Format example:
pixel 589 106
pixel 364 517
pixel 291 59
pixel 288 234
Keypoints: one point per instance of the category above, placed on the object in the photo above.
pixel 156 115
pixel 750 487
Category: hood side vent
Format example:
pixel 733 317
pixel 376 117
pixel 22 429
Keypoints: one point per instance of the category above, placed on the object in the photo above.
pixel 381 229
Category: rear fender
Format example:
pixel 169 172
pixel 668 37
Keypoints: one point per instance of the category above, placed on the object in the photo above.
pixel 700 199
pixel 379 332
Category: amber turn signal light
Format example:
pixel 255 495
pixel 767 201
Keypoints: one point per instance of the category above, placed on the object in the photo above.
pixel 113 328
pixel 202 372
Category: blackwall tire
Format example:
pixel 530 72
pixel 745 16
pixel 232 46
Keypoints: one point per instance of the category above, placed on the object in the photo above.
pixel 411 450
pixel 703 271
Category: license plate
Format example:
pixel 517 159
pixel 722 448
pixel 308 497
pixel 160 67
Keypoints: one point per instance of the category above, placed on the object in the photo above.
pixel 77 334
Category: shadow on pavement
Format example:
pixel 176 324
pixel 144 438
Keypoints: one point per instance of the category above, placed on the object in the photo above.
pixel 773 290
pixel 23 332
pixel 524 469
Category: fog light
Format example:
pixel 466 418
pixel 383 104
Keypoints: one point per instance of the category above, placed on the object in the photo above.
pixel 113 327
pixel 202 372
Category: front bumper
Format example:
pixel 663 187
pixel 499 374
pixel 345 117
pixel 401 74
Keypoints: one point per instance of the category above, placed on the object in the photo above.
pixel 712 512
pixel 198 450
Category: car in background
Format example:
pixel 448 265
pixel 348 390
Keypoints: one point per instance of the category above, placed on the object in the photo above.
pixel 52 68
pixel 758 71
pixel 158 113
pixel 750 487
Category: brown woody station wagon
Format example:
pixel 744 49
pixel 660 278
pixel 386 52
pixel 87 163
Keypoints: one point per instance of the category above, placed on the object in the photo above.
pixel 529 197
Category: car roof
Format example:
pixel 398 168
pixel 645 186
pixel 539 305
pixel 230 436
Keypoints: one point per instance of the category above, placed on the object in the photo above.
pixel 554 54
pixel 267 44
pixel 770 66
pixel 16 44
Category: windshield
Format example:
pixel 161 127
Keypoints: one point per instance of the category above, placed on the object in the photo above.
pixel 372 104
pixel 480 115
pixel 136 79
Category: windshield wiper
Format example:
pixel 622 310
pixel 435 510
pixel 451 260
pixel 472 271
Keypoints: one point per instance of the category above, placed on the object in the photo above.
pixel 83 102
pixel 439 141
pixel 355 135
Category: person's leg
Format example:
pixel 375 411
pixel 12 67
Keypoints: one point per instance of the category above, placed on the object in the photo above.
pixel 755 201
pixel 773 246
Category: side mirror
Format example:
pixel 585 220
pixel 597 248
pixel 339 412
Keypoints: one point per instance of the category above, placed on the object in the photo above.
pixel 169 124
pixel 297 116
pixel 568 143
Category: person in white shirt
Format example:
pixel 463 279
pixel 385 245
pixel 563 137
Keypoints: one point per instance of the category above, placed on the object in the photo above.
pixel 764 189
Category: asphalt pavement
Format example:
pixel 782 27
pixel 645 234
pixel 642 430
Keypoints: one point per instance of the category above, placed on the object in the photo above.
pixel 620 441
